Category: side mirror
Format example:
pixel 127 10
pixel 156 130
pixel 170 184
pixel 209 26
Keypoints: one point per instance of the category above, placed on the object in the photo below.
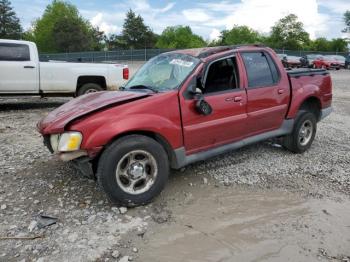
pixel 203 107
pixel 195 92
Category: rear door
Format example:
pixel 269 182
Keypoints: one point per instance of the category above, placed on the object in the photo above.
pixel 226 96
pixel 18 72
pixel 268 92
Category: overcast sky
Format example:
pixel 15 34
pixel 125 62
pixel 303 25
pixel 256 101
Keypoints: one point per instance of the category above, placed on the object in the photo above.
pixel 206 18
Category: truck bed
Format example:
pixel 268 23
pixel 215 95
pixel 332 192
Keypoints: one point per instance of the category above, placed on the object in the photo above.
pixel 306 72
pixel 309 83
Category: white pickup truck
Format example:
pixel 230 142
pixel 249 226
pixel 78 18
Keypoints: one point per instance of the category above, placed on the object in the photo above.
pixel 21 73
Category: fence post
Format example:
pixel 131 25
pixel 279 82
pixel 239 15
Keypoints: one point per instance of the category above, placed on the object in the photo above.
pixel 145 54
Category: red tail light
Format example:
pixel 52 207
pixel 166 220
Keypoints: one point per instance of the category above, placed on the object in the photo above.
pixel 126 73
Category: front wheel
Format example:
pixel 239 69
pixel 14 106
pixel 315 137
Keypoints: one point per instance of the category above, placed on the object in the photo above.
pixel 133 170
pixel 303 134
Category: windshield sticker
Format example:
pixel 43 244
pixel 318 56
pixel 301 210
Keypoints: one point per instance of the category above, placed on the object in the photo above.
pixel 181 63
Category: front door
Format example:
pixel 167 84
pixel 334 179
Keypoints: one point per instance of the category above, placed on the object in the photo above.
pixel 18 72
pixel 226 123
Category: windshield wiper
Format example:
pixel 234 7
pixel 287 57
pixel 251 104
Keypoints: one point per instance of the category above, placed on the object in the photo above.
pixel 144 87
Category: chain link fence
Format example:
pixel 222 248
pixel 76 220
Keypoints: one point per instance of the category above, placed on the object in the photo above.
pixel 130 56
pixel 140 55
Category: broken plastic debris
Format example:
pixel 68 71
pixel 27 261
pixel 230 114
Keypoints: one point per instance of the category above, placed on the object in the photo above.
pixel 45 221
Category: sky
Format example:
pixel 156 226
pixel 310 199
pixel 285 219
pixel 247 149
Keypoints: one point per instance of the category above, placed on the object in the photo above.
pixel 321 18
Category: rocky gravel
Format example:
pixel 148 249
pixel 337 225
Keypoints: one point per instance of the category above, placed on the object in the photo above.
pixel 48 212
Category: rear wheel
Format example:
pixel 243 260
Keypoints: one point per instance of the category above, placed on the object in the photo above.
pixel 89 88
pixel 133 170
pixel 303 134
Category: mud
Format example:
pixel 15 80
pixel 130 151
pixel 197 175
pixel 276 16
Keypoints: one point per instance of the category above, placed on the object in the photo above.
pixel 231 224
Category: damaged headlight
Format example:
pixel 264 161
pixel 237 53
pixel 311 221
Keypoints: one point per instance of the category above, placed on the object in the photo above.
pixel 54 139
pixel 66 142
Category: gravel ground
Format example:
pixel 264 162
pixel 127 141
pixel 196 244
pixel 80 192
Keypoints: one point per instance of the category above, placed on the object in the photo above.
pixel 34 184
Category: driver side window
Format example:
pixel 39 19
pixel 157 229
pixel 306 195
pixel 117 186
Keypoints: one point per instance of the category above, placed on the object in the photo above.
pixel 222 76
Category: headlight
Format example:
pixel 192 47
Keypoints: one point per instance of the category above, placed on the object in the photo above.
pixel 54 139
pixel 66 142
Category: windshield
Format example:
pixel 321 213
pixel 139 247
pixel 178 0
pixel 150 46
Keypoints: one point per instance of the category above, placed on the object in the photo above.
pixel 163 72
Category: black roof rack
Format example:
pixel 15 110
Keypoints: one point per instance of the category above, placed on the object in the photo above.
pixel 219 49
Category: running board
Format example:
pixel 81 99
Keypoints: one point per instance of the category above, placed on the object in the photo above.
pixel 181 159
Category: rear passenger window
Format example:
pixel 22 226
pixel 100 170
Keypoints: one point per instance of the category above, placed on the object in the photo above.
pixel 14 52
pixel 261 70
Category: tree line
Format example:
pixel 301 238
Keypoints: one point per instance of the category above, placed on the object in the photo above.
pixel 61 28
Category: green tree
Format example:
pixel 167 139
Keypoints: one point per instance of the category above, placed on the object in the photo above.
pixel 289 33
pixel 179 37
pixel 347 24
pixel 338 45
pixel 70 36
pixel 320 44
pixel 347 21
pixel 10 27
pixel 135 34
pixel 61 28
pixel 239 35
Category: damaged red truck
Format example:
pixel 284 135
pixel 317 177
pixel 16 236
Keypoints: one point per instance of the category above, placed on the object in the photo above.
pixel 182 107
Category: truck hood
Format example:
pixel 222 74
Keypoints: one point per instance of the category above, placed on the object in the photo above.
pixel 56 120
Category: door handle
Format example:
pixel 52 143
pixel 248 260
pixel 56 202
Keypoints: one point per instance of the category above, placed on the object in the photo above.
pixel 237 99
pixel 234 99
pixel 29 66
pixel 280 91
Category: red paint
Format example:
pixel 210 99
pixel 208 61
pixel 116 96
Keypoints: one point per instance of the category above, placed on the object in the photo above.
pixel 310 86
pixel 104 116
pixel 321 62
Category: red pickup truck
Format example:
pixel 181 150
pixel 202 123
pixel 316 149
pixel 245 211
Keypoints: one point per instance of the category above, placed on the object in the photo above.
pixel 182 107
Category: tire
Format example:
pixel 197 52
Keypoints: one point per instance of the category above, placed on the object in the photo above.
pixel 89 88
pixel 306 123
pixel 126 177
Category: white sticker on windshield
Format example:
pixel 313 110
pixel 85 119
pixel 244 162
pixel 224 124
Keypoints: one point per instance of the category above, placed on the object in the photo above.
pixel 181 63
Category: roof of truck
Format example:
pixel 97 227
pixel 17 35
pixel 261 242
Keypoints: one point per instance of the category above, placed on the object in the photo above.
pixel 15 41
pixel 205 52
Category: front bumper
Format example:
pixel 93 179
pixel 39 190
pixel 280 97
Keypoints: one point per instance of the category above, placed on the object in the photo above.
pixel 79 159
pixel 64 156
pixel 326 112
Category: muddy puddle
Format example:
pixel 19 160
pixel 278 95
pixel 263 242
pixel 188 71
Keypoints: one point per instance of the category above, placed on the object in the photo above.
pixel 226 224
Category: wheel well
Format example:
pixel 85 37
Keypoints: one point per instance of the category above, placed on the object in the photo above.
pixel 100 80
pixel 159 138
pixel 312 104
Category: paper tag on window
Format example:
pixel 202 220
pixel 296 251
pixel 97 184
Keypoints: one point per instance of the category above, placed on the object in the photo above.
pixel 181 63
